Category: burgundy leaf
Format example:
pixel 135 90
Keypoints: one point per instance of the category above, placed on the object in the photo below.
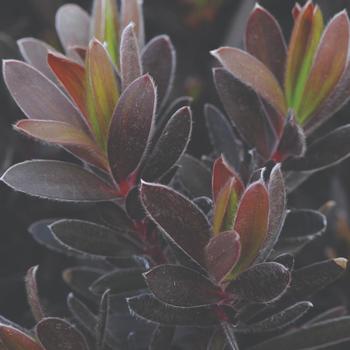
pixel 59 181
pixel 14 339
pixel 180 220
pixel 131 127
pixel 262 283
pixel 159 60
pixel 180 286
pixel 33 294
pixel 223 252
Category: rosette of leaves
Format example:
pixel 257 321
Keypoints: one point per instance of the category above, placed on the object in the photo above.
pixel 276 95
pixel 228 277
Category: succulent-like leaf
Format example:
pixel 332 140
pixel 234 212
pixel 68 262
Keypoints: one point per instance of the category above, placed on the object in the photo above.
pixel 130 60
pixel 120 281
pixel 222 137
pixel 335 312
pixel 328 66
pixel 254 74
pixel 58 334
pixel 251 224
pixel 33 294
pixel 318 336
pixel 159 60
pixel 72 25
pixel 59 181
pixel 131 12
pixel 325 152
pixel 89 238
pixel 180 220
pixel 222 253
pixel 279 320
pixel 35 53
pixel 28 86
pixel 131 127
pixel 162 338
pixel 170 146
pixel 261 283
pixel 103 318
pixel 151 309
pixel 264 40
pixel 246 112
pixel 14 339
pixel 229 331
pixel 180 286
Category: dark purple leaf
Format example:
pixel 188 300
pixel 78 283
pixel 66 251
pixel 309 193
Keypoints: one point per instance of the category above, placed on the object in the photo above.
pixel 36 307
pixel 72 26
pixel 27 86
pixel 180 286
pixel 58 334
pixel 149 308
pixel 134 206
pixel 92 239
pixel 318 336
pixel 279 320
pixel 102 320
pixel 159 60
pixel 59 181
pixel 245 110
pixel 287 260
pixel 229 331
pixel 222 136
pixel 324 152
pixel 131 127
pixel 335 312
pixel 180 220
pixel 261 283
pixel 130 61
pixel 217 341
pixel 120 281
pixel 170 146
pixel 162 338
pixel 223 252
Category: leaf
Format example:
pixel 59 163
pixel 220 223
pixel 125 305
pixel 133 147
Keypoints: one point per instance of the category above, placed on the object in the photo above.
pixel 335 312
pixel 92 239
pixel 277 212
pixel 180 286
pixel 222 137
pixel 72 26
pixel 222 252
pixel 57 180
pixel 120 281
pixel 28 86
pixel 151 309
pixel 162 338
pixel 14 339
pixel 262 283
pixel 245 112
pixel 159 60
pixel 130 61
pixel 229 331
pixel 35 52
pixel 180 220
pixel 57 334
pixel 72 76
pixel 264 40
pixel 325 152
pixel 254 74
pixel 303 44
pixel 313 278
pixel 103 317
pixel 329 64
pixel 318 336
pixel 170 146
pixel 103 90
pixel 131 127
pixel 251 224
pixel 279 320
pixel 194 176
pixel 33 294
pixel 132 12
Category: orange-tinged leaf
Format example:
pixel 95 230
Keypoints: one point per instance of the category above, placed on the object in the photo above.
pixel 14 339
pixel 254 74
pixel 303 44
pixel 251 223
pixel 72 77
pixel 329 64
pixel 103 90
pixel 264 40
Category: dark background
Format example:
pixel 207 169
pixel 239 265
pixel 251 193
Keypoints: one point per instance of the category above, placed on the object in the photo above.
pixel 194 36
